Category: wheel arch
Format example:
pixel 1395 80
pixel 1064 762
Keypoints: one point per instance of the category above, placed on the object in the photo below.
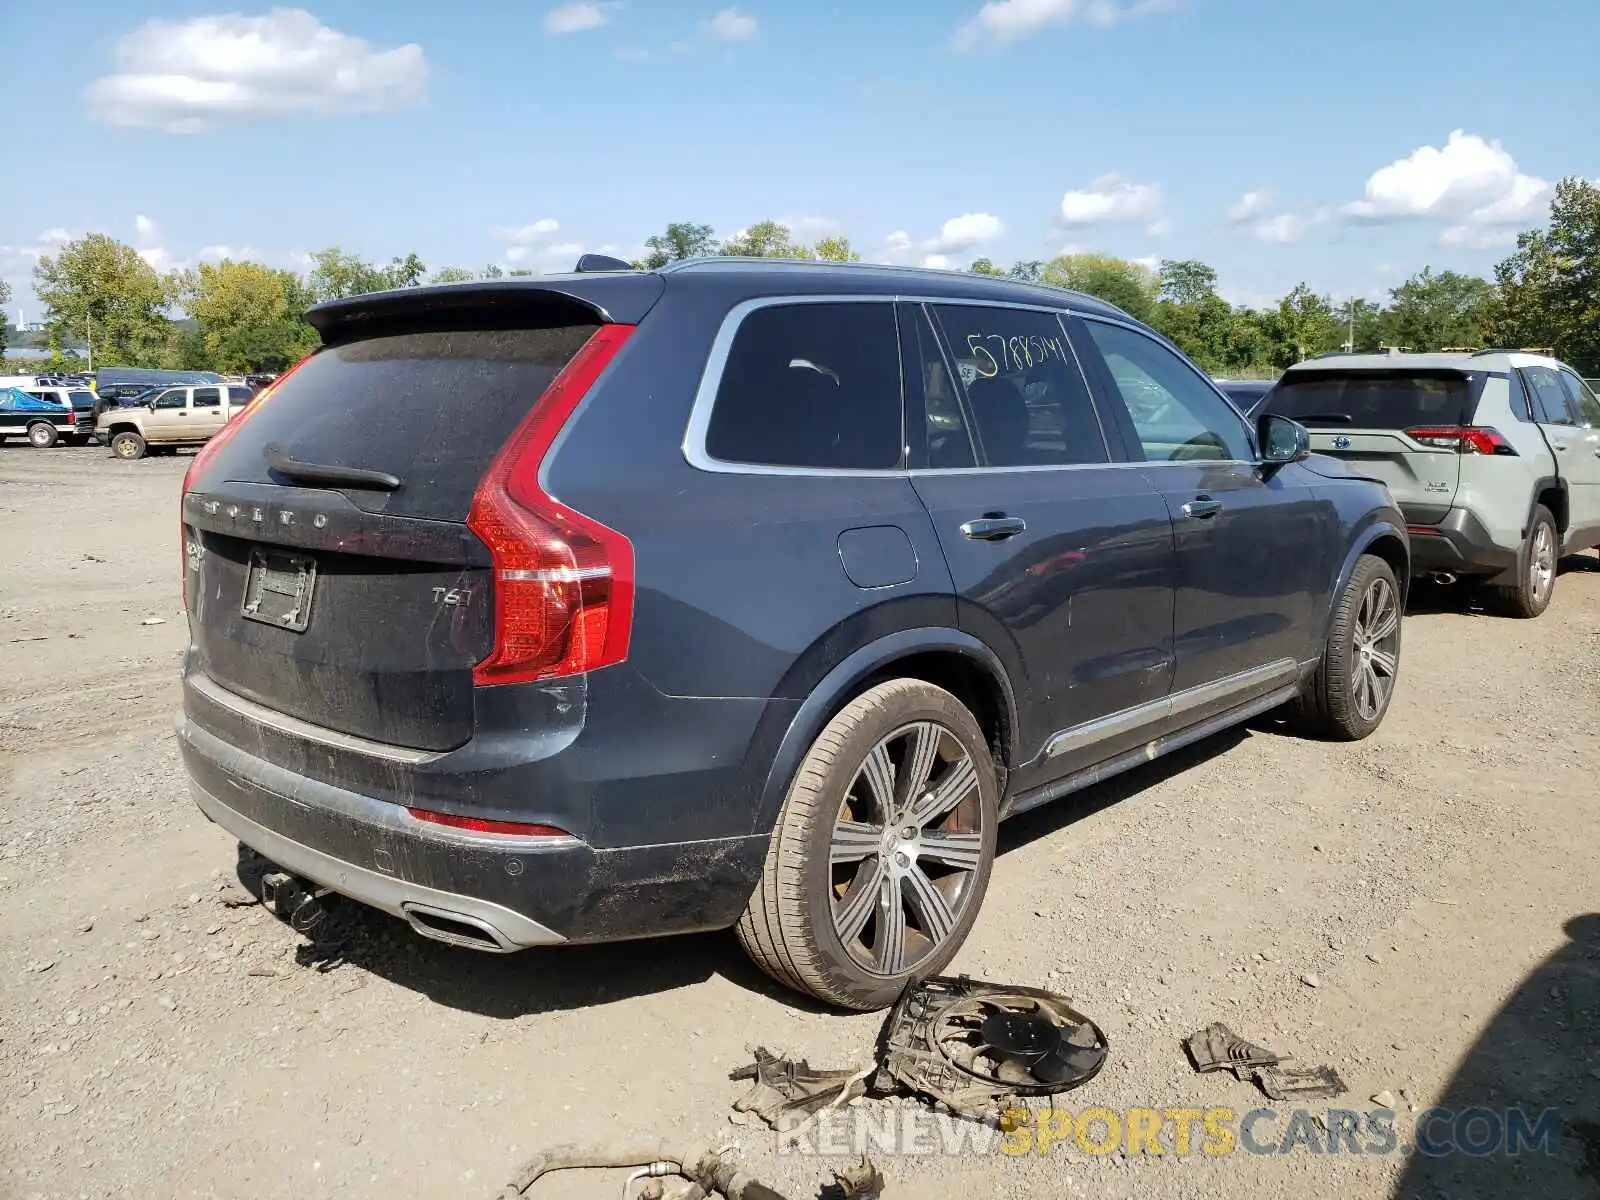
pixel 1385 537
pixel 947 658
pixel 1550 491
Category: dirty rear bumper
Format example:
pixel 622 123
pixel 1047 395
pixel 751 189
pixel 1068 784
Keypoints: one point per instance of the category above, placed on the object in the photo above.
pixel 1458 544
pixel 521 891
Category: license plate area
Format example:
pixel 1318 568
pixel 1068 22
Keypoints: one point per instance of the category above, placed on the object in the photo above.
pixel 278 589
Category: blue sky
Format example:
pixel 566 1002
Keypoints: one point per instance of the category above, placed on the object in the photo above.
pixel 1346 145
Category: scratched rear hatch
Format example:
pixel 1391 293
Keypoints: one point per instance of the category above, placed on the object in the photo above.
pixel 1389 424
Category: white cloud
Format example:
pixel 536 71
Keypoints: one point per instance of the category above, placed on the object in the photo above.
pixel 731 25
pixel 896 248
pixel 1281 229
pixel 564 250
pixel 145 229
pixel 189 76
pixel 1150 262
pixel 1478 237
pixel 810 228
pixel 1249 207
pixel 1470 181
pixel 575 18
pixel 964 232
pixel 1159 227
pixel 526 235
pixel 147 240
pixel 999 23
pixel 236 253
pixel 939 262
pixel 1111 198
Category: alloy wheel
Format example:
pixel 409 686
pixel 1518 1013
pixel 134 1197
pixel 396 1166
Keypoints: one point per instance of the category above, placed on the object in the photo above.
pixel 1542 563
pixel 1377 649
pixel 907 845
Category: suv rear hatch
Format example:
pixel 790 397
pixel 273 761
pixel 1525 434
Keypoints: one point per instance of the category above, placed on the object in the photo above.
pixel 1405 426
pixel 336 562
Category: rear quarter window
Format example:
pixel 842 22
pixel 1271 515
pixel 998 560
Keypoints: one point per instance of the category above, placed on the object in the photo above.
pixel 813 386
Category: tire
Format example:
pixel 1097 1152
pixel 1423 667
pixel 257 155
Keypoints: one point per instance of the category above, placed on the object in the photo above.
pixel 1536 570
pixel 128 445
pixel 41 436
pixel 1348 695
pixel 792 926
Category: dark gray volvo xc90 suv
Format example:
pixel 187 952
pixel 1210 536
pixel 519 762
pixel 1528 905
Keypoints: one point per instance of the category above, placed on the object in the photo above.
pixel 744 594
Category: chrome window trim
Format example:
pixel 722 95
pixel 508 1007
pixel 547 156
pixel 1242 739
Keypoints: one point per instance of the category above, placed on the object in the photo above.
pixel 705 397
pixel 930 315
pixel 1244 424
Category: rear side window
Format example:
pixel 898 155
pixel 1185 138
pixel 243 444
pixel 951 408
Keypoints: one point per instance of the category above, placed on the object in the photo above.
pixel 1029 404
pixel 1400 399
pixel 82 399
pixel 811 385
pixel 240 395
pixel 432 408
pixel 207 398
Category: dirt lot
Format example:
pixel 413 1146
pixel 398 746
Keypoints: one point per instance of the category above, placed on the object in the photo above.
pixel 1418 911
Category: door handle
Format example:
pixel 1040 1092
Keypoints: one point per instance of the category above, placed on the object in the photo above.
pixel 1202 508
pixel 993 529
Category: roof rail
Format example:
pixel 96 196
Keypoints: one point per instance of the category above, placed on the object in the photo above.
pixel 1544 350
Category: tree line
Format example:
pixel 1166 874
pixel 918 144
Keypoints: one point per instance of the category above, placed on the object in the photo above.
pixel 246 316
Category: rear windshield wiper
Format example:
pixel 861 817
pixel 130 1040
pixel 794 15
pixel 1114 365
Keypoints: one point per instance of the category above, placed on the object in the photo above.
pixel 1328 418
pixel 328 473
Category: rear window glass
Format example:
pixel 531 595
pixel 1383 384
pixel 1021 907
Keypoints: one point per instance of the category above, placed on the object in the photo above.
pixel 1377 399
pixel 811 385
pixel 433 408
pixel 82 399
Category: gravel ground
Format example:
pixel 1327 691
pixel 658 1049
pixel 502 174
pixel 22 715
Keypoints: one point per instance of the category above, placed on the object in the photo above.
pixel 1418 911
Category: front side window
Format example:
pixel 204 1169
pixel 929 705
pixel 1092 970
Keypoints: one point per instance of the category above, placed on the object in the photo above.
pixel 1176 414
pixel 1028 402
pixel 173 399
pixel 1582 399
pixel 811 385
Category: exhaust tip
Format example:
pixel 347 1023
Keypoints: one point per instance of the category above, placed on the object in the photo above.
pixel 1443 578
pixel 457 929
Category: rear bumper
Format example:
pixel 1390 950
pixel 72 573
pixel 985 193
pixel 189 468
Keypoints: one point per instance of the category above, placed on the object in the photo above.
pixel 1459 544
pixel 517 892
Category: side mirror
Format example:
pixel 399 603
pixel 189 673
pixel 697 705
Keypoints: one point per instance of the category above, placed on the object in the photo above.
pixel 1281 440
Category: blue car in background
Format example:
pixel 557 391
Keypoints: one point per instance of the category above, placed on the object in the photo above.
pixel 42 422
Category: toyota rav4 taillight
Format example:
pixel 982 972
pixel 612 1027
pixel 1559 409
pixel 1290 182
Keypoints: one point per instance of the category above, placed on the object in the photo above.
pixel 1463 439
pixel 563 582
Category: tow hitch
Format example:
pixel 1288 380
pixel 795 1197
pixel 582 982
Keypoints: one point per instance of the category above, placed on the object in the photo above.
pixel 296 900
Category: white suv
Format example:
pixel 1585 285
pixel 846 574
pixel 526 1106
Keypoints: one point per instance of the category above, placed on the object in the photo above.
pixel 1494 457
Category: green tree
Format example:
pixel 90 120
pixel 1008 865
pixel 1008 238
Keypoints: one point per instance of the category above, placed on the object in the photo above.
pixel 1430 312
pixel 1028 270
pixel 1128 285
pixel 682 239
pixel 405 272
pixel 1548 292
pixel 451 275
pixel 835 249
pixel 1303 326
pixel 766 239
pixel 248 316
pixel 491 272
pixel 100 288
pixel 5 299
pixel 336 275
pixel 1185 281
pixel 1367 326
pixel 985 266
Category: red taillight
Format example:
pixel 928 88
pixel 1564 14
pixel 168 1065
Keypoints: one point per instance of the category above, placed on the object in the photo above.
pixel 209 449
pixel 479 825
pixel 563 582
pixel 1463 439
